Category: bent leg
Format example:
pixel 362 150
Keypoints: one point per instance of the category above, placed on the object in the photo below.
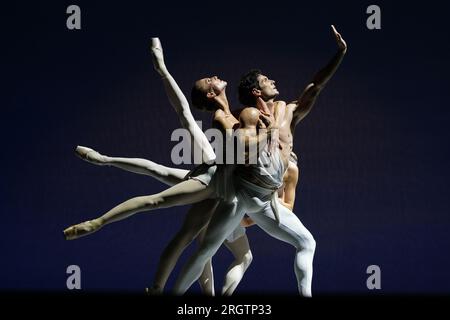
pixel 226 217
pixel 290 180
pixel 240 249
pixel 196 219
pixel 186 192
pixel 292 231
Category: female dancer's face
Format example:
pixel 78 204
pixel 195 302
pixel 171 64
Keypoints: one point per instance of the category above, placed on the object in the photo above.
pixel 212 85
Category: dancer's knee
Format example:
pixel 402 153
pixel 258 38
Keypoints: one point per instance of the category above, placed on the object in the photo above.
pixel 156 169
pixel 152 202
pixel 309 243
pixel 247 258
pixel 206 253
pixel 306 243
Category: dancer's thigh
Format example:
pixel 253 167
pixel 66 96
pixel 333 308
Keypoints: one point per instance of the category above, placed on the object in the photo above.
pixel 239 246
pixel 186 192
pixel 199 215
pixel 290 229
pixel 224 220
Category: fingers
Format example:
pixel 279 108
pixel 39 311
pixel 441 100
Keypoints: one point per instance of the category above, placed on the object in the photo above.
pixel 333 28
pixel 261 104
pixel 267 120
pixel 337 34
pixel 264 117
pixel 259 100
pixel 261 124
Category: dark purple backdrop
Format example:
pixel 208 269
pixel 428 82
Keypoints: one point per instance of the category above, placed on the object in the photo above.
pixel 373 152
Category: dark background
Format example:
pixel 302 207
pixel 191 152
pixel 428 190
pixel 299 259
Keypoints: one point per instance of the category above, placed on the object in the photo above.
pixel 373 152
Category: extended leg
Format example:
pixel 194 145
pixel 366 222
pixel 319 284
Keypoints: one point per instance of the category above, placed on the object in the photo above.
pixel 186 192
pixel 292 231
pixel 243 258
pixel 167 175
pixel 196 219
pixel 206 280
pixel 181 105
pixel 225 219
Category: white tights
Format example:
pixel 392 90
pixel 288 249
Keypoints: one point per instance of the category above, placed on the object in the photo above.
pixel 194 226
pixel 228 216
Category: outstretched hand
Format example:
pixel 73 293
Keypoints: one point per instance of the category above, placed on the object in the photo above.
pixel 265 121
pixel 340 42
pixel 158 56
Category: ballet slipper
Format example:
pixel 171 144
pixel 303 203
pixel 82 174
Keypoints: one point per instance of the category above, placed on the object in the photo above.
pixel 90 155
pixel 153 291
pixel 158 57
pixel 81 229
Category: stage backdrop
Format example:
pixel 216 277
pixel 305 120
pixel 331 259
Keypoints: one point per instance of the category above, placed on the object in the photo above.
pixel 373 153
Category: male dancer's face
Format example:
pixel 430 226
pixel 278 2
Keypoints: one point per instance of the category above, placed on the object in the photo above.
pixel 211 86
pixel 267 89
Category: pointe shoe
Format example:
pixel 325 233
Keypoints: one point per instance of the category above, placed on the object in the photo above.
pixel 90 155
pixel 81 230
pixel 158 57
pixel 157 50
pixel 153 291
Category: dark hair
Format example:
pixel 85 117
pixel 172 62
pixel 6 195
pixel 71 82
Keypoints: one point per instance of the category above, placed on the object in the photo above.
pixel 248 82
pixel 200 100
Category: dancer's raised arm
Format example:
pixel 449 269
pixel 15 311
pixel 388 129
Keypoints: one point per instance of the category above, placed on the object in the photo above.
pixel 305 102
pixel 180 103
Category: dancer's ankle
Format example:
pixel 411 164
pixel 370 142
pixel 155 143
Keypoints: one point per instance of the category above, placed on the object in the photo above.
pixel 106 160
pixel 154 290
pixel 99 222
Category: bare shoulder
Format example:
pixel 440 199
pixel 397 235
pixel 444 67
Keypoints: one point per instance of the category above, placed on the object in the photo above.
pixel 249 116
pixel 288 107
pixel 280 104
pixel 292 105
pixel 249 112
pixel 219 113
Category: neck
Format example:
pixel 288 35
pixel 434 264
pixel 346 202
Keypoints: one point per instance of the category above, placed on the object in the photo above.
pixel 267 107
pixel 271 106
pixel 222 103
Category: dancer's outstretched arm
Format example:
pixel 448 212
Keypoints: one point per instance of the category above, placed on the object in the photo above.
pixel 180 104
pixel 303 105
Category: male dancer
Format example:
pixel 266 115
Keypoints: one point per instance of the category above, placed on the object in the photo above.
pixel 255 188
